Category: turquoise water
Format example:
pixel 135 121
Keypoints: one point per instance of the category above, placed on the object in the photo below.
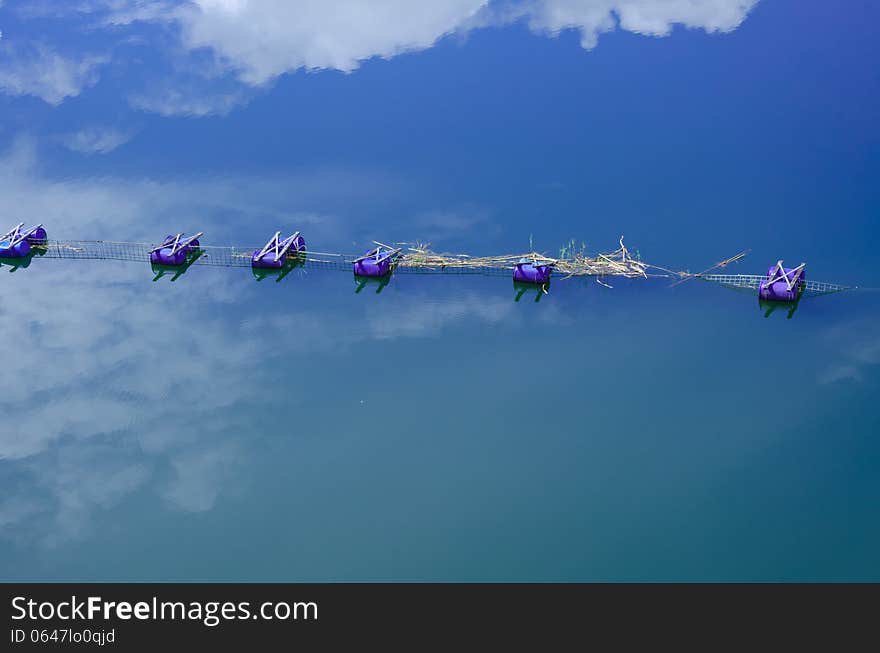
pixel 216 427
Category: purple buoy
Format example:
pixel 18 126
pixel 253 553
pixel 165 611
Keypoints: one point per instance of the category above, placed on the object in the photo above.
pixel 17 242
pixel 175 250
pixel 526 272
pixel 277 252
pixel 782 284
pixel 19 250
pixel 378 262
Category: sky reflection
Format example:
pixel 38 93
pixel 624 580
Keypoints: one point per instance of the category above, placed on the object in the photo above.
pixel 187 398
pixel 219 425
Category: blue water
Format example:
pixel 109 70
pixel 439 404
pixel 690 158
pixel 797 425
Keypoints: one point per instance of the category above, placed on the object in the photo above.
pixel 218 427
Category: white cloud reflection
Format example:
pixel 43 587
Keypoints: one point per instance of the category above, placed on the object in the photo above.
pixel 136 208
pixel 256 41
pixel 114 389
pixel 262 39
pixel 97 140
pixel 857 344
pixel 121 385
pixel 38 70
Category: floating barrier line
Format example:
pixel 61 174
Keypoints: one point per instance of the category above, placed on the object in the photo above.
pixel 417 259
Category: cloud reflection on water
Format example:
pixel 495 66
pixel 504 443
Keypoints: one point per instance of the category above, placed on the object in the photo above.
pixel 129 385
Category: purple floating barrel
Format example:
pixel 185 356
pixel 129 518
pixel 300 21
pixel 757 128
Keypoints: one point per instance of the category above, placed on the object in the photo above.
pixel 166 256
pixel 271 256
pixel 530 273
pixel 377 262
pixel 776 289
pixel 17 242
pixel 169 254
pixel 369 267
pixel 19 250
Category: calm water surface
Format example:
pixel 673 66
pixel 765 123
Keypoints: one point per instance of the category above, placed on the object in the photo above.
pixel 217 427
